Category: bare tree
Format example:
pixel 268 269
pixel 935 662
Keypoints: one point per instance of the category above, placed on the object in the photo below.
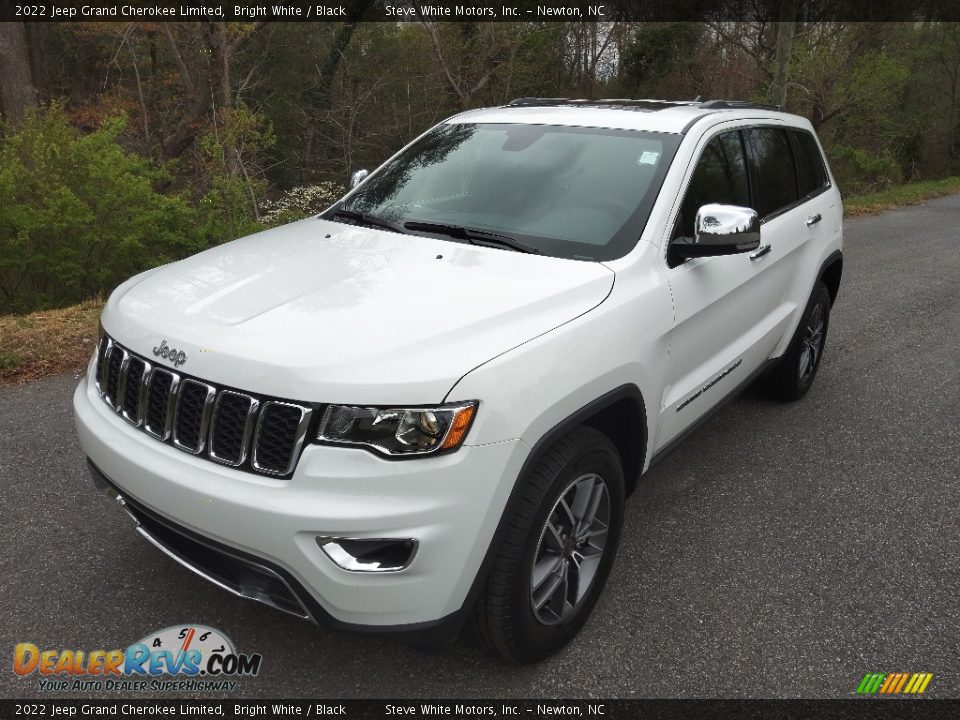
pixel 500 52
pixel 786 28
pixel 214 52
pixel 17 91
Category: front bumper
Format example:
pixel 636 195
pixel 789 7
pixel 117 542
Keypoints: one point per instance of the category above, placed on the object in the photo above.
pixel 451 504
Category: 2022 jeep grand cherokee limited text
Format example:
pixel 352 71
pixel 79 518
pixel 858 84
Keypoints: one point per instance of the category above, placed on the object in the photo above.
pixel 427 404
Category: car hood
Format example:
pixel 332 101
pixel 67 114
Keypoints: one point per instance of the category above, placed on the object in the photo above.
pixel 326 312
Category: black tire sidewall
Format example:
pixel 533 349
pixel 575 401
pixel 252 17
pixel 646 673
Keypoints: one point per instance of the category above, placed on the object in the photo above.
pixel 536 640
pixel 819 296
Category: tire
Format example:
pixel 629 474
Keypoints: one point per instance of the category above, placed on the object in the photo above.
pixel 792 377
pixel 580 471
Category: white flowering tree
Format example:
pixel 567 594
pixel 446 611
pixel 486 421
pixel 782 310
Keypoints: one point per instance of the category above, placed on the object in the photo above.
pixel 300 202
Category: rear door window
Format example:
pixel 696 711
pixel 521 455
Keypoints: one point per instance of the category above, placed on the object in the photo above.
pixel 774 171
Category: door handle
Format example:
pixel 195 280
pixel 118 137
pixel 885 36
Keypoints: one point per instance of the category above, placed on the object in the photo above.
pixel 760 252
pixel 814 219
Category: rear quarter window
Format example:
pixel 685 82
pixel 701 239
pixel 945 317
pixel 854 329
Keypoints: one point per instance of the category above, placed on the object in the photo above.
pixel 810 169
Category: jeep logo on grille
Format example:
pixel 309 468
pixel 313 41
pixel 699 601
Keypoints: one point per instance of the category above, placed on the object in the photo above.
pixel 177 357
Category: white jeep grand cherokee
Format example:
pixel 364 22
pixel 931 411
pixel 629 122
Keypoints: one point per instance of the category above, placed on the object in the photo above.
pixel 427 404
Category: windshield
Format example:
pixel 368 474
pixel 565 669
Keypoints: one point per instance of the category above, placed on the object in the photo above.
pixel 571 192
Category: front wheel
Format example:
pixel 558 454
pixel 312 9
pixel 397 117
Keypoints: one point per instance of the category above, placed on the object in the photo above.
pixel 792 377
pixel 557 551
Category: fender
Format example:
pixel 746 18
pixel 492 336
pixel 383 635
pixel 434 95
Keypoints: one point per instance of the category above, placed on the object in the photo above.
pixel 624 392
pixel 832 281
pixel 829 273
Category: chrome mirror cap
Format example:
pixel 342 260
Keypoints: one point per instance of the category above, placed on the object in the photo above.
pixel 718 224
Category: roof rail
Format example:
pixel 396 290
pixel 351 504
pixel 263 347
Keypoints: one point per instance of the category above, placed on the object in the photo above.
pixel 732 104
pixel 628 102
pixel 649 104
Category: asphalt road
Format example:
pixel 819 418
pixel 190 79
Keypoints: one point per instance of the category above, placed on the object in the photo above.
pixel 782 551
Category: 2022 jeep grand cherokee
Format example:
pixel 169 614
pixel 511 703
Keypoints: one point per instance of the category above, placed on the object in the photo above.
pixel 427 404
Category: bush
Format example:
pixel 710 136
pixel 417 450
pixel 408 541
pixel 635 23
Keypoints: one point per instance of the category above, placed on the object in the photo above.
pixel 78 214
pixel 860 171
pixel 228 209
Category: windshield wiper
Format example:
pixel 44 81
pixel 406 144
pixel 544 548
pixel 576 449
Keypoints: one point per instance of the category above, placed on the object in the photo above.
pixel 474 235
pixel 364 219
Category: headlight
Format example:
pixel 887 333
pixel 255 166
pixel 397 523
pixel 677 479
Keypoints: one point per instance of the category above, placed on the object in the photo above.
pixel 398 431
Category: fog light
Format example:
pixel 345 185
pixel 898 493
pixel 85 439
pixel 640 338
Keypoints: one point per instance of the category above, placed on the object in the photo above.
pixel 362 555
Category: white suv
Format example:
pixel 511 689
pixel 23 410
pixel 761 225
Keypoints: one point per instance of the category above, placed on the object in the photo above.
pixel 427 404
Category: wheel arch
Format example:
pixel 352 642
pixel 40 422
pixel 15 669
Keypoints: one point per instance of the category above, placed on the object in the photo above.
pixel 624 405
pixel 830 273
pixel 620 414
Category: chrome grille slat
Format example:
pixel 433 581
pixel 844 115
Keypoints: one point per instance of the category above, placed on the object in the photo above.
pixel 122 381
pixel 220 424
pixel 103 353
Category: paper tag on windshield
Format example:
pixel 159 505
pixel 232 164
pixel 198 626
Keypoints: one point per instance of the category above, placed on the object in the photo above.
pixel 648 158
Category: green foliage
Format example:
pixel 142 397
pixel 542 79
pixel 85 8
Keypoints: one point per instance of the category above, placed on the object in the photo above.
pixel 226 211
pixel 230 206
pixel 294 109
pixel 849 81
pixel 78 214
pixel 9 360
pixel 656 51
pixel 907 194
pixel 861 171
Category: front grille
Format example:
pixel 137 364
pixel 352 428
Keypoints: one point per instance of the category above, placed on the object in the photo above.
pixel 262 435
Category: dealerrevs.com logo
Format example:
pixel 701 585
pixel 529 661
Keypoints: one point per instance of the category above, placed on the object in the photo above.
pixel 178 658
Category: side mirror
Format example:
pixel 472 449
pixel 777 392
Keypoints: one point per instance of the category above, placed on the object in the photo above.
pixel 358 177
pixel 720 230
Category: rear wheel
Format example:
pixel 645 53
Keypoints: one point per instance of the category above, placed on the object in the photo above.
pixel 557 552
pixel 794 374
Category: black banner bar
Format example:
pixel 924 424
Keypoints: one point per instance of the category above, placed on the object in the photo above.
pixel 852 709
pixel 471 10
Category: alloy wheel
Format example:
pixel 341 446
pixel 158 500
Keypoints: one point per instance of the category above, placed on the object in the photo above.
pixel 812 343
pixel 570 549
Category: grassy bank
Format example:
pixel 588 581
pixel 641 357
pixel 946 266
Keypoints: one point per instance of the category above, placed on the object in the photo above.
pixel 906 194
pixel 49 342
pixel 60 341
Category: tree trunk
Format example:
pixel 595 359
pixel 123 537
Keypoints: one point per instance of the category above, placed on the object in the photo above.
pixel 222 56
pixel 785 30
pixel 17 91
pixel 317 95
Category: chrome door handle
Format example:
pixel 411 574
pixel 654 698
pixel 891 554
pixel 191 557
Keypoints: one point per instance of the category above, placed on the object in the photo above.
pixel 814 219
pixel 760 252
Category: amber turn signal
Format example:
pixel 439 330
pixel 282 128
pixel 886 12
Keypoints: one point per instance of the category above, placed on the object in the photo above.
pixel 459 427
